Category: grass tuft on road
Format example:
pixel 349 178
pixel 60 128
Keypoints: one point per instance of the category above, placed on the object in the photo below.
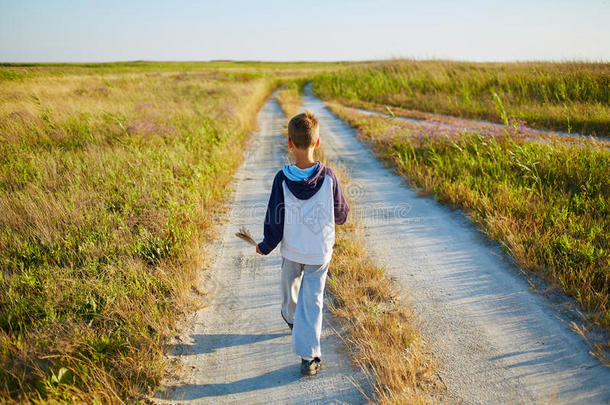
pixel 382 336
pixel 289 96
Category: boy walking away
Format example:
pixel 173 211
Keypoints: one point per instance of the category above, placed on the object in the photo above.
pixel 305 204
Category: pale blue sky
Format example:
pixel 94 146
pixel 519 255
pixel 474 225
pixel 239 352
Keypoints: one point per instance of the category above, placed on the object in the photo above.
pixel 112 30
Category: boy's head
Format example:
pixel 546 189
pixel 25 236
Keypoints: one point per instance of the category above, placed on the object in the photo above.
pixel 303 130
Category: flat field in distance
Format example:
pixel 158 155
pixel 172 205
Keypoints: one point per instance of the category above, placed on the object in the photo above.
pixel 570 97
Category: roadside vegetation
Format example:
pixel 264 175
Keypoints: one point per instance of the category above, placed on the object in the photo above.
pixel 108 187
pixel 570 97
pixel 547 202
pixel 381 336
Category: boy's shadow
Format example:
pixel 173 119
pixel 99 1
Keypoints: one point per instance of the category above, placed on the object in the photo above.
pixel 210 343
pixel 283 376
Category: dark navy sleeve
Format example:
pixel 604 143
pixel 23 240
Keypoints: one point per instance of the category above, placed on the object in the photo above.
pixel 340 204
pixel 274 218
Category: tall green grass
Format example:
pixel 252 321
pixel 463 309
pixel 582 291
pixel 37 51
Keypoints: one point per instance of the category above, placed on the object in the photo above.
pixel 562 96
pixel 108 187
pixel 548 203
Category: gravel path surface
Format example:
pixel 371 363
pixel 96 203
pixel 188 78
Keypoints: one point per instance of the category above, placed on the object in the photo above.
pixel 498 342
pixel 238 349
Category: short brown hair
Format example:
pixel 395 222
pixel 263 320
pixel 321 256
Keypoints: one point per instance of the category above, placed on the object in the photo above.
pixel 303 130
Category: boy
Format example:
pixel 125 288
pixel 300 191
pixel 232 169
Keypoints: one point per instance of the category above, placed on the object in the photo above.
pixel 305 204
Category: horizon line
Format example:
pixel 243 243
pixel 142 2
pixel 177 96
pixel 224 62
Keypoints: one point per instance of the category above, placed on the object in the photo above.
pixel 346 61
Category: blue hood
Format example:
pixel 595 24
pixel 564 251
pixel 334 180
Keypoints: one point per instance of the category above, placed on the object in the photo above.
pixel 292 172
pixel 306 188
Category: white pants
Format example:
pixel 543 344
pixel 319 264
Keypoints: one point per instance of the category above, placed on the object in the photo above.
pixel 302 304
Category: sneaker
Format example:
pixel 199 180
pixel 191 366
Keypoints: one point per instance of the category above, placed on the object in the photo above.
pixel 287 323
pixel 310 367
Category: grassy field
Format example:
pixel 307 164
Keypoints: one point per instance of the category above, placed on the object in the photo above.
pixel 108 185
pixel 571 97
pixel 111 174
pixel 547 202
pixel 381 334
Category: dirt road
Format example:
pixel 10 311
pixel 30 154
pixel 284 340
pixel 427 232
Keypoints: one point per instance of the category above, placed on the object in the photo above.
pixel 238 349
pixel 498 341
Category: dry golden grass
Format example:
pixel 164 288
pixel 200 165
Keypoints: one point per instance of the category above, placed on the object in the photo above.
pixel 108 188
pixel 289 99
pixel 380 330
